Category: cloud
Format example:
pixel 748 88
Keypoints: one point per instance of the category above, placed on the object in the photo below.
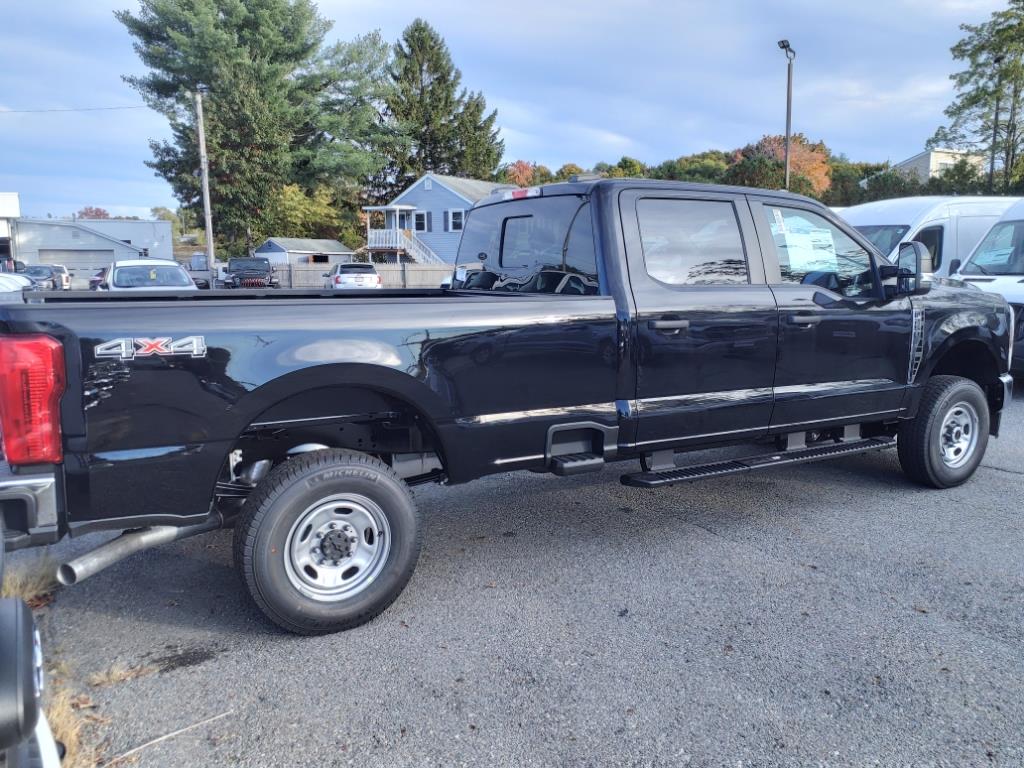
pixel 573 81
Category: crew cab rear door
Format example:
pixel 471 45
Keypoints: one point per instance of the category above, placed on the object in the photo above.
pixel 706 322
pixel 844 349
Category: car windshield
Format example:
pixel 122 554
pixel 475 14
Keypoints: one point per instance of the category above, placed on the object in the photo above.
pixel 42 272
pixel 236 265
pixel 348 268
pixel 885 237
pixel 140 276
pixel 1000 253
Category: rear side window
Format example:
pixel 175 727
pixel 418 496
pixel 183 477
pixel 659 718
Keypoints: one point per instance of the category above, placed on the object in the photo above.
pixel 691 242
pixel 537 245
pixel 347 269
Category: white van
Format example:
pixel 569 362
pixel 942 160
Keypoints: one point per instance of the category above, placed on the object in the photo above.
pixel 950 227
pixel 997 266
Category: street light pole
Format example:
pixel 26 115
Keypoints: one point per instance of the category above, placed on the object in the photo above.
pixel 204 168
pixel 996 60
pixel 790 55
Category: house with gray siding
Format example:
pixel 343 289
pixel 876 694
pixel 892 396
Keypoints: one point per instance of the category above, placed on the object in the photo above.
pixel 301 250
pixel 424 223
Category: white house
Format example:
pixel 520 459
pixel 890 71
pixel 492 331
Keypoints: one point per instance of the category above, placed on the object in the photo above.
pixel 932 162
pixel 424 223
pixel 10 209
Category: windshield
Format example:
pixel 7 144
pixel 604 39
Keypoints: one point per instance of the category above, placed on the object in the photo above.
pixel 885 237
pixel 1000 253
pixel 235 265
pixel 151 277
pixel 43 272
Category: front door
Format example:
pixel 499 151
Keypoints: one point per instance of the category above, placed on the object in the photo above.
pixel 844 350
pixel 706 322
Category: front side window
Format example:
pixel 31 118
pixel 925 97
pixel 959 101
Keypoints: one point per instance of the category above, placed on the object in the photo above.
pixel 536 245
pixel 813 251
pixel 420 219
pixel 151 277
pixel 1000 253
pixel 692 242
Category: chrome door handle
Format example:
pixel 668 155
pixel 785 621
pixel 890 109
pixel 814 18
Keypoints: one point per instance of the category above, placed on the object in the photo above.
pixel 803 319
pixel 668 325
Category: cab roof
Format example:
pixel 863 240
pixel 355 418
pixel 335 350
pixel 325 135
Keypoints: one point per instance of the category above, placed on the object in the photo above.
pixel 589 186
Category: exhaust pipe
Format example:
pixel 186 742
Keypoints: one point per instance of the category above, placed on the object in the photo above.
pixel 129 543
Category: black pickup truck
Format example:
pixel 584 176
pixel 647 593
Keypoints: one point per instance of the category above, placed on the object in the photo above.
pixel 589 322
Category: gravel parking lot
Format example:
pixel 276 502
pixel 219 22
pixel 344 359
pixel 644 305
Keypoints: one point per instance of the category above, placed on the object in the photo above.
pixel 830 614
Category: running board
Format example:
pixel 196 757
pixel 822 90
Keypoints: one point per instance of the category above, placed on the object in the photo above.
pixel 736 466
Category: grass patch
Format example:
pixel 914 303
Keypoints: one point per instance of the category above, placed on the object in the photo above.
pixel 119 673
pixel 69 717
pixel 34 581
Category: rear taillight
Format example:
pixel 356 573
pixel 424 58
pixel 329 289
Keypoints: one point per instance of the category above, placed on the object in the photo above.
pixel 31 383
pixel 338 280
pixel 379 280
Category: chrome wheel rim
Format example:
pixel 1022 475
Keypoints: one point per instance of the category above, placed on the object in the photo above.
pixel 958 435
pixel 337 547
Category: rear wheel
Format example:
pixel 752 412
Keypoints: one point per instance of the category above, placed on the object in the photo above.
pixel 327 541
pixel 944 444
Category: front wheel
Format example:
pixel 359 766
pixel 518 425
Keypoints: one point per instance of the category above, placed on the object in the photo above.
pixel 327 541
pixel 944 444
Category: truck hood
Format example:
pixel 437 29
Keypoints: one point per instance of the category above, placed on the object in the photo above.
pixel 1010 287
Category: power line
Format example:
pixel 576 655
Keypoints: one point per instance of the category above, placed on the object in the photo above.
pixel 68 109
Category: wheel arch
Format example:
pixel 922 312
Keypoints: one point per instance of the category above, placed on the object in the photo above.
pixel 973 355
pixel 345 389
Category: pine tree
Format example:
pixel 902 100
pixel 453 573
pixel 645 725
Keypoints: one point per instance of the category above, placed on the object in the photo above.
pixel 994 56
pixel 447 129
pixel 254 61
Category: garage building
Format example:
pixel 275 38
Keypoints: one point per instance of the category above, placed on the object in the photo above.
pixel 81 249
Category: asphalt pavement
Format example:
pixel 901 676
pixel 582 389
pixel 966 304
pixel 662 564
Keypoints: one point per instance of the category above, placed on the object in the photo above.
pixel 831 614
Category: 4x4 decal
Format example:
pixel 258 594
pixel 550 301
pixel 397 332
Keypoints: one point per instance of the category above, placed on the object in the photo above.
pixel 164 346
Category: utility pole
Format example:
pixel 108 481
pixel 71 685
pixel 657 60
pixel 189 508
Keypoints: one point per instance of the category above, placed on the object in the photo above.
pixel 204 167
pixel 790 55
pixel 996 60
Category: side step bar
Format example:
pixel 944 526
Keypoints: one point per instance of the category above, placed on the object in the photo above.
pixel 736 466
pixel 576 463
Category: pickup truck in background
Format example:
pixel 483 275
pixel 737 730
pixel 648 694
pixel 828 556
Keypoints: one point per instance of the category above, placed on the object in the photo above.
pixel 609 320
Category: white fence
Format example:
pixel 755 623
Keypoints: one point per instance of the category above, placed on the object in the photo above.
pixel 394 275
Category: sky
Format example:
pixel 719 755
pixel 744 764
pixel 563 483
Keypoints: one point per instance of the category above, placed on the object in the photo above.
pixel 573 81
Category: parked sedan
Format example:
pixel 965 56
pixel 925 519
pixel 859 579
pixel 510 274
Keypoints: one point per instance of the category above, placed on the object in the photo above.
pixel 349 276
pixel 46 278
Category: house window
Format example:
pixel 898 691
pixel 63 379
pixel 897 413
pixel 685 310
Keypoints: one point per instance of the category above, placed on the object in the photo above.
pixel 428 184
pixel 320 258
pixel 420 218
pixel 455 219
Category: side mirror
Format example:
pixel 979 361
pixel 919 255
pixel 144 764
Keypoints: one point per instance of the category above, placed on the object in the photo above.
pixel 914 261
pixel 954 266
pixel 326 274
pixel 21 674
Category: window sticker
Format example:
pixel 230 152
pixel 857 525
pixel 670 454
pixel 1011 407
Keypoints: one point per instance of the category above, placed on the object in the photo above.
pixel 811 251
pixel 780 223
